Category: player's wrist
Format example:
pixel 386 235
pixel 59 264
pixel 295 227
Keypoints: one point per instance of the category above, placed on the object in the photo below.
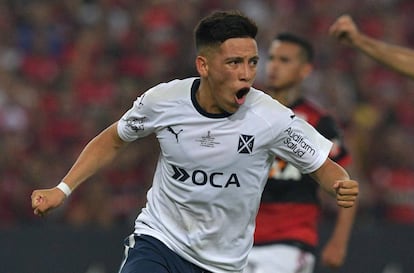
pixel 64 188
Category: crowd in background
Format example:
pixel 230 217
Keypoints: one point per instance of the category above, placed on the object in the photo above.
pixel 70 68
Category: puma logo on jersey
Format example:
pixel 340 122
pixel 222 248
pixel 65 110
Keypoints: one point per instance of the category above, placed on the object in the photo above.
pixel 174 133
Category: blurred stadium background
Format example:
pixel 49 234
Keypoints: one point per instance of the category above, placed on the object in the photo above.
pixel 70 68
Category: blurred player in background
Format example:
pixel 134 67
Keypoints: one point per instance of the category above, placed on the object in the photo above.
pixel 286 233
pixel 398 58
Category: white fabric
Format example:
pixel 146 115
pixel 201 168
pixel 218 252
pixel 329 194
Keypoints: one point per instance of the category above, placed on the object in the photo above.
pixel 212 169
pixel 278 258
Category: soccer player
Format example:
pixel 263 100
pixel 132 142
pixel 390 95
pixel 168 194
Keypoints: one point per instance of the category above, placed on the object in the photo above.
pixel 218 136
pixel 286 233
pixel 398 58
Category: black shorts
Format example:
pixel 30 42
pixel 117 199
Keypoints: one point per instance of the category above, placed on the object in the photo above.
pixel 144 254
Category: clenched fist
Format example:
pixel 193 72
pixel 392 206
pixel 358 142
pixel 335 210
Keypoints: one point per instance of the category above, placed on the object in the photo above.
pixel 46 199
pixel 346 192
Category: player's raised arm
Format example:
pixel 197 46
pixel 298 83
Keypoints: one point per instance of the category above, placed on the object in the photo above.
pixel 100 151
pixel 398 58
pixel 335 180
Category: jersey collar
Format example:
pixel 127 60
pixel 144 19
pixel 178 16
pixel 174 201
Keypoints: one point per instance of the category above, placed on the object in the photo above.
pixel 194 89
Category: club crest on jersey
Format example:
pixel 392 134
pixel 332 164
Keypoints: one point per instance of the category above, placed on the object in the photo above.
pixel 246 143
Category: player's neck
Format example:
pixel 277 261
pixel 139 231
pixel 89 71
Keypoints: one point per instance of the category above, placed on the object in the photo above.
pixel 286 96
pixel 205 100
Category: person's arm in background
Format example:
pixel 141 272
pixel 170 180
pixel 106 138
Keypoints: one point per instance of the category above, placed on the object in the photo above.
pixel 335 180
pixel 334 252
pixel 398 58
pixel 99 152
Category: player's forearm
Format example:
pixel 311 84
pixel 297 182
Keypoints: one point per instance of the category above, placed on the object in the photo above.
pixel 344 223
pixel 395 57
pixel 328 174
pixel 98 153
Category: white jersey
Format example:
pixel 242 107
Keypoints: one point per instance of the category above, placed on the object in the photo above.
pixel 213 167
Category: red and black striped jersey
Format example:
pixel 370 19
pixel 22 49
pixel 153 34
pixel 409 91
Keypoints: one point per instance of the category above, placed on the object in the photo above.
pixel 290 208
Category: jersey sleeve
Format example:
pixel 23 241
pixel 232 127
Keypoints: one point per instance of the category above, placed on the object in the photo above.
pixel 139 120
pixel 301 145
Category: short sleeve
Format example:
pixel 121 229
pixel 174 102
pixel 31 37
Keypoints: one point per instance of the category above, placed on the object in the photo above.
pixel 139 120
pixel 301 145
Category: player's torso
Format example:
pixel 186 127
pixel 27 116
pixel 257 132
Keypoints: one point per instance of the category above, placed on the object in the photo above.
pixel 221 155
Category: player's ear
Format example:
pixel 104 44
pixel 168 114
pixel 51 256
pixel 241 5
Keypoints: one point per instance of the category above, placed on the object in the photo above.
pixel 306 70
pixel 202 66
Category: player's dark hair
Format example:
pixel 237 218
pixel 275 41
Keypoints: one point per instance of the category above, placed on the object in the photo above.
pixel 219 26
pixel 307 48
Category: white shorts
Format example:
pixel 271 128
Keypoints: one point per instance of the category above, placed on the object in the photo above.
pixel 278 258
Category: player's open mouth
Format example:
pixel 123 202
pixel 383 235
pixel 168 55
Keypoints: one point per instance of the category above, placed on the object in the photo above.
pixel 241 95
